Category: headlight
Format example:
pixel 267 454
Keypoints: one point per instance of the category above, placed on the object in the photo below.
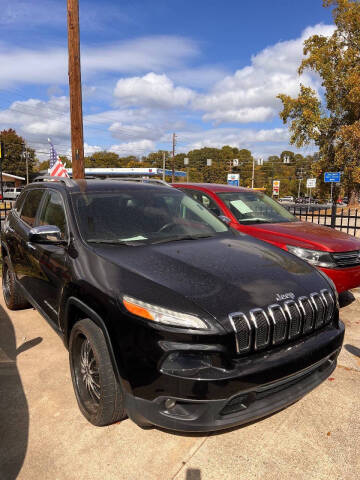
pixel 315 257
pixel 163 315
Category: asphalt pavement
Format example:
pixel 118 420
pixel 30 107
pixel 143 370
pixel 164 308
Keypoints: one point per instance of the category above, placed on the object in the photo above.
pixel 43 436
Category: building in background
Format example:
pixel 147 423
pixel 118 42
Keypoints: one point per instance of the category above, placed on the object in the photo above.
pixel 12 181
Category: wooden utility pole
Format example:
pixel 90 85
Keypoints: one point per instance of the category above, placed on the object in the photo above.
pixel 164 166
pixel 253 173
pixel 77 135
pixel 173 157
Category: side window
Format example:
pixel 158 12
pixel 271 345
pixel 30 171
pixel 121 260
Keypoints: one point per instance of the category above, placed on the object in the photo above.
pixel 20 202
pixel 53 213
pixel 205 200
pixel 31 205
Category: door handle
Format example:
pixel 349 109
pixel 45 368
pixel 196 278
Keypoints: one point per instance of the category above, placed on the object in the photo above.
pixel 30 245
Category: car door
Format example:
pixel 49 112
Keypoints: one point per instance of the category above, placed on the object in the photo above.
pixel 20 223
pixel 204 199
pixel 50 261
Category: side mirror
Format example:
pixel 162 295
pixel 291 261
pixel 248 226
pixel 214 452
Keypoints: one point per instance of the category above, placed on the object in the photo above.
pixel 225 219
pixel 48 234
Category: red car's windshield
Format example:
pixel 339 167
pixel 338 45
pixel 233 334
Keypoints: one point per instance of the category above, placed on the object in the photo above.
pixel 255 207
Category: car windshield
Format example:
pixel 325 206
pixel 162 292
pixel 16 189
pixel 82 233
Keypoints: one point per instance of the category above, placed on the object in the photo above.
pixel 254 207
pixel 142 216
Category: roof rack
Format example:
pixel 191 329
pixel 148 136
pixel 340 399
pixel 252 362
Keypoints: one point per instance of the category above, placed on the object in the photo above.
pixel 49 178
pixel 140 180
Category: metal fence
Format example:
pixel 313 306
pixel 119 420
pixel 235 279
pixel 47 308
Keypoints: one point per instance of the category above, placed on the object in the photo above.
pixel 346 220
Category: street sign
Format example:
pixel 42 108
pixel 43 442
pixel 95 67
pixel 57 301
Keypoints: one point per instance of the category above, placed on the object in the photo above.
pixel 233 179
pixel 311 183
pixel 276 187
pixel 235 162
pixel 333 177
pixel 208 162
pixel 186 161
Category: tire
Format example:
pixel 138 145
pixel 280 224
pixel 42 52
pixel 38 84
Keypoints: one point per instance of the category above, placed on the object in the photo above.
pixel 98 392
pixel 13 296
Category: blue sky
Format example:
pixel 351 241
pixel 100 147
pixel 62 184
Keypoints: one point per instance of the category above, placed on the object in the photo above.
pixel 207 70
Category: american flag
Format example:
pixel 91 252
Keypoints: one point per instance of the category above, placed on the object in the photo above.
pixel 57 168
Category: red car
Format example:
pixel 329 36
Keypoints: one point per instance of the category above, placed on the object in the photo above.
pixel 335 253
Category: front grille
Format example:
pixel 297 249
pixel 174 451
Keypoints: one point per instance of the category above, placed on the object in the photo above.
pixel 261 328
pixel 329 304
pixel 294 318
pixel 279 321
pixel 261 325
pixel 308 314
pixel 243 330
pixel 347 259
pixel 319 307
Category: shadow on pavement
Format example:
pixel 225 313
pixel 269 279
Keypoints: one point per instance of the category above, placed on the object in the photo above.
pixel 346 298
pixel 14 413
pixel 193 474
pixel 354 350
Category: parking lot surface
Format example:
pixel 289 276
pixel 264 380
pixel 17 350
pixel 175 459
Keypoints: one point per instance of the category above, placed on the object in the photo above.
pixel 44 436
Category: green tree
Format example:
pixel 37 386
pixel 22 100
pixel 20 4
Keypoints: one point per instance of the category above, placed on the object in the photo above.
pixel 102 159
pixel 333 121
pixel 14 161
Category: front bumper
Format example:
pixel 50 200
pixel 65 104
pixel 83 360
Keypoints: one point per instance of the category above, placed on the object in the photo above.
pixel 255 389
pixel 344 278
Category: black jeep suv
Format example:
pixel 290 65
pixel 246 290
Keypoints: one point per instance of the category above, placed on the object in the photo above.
pixel 170 317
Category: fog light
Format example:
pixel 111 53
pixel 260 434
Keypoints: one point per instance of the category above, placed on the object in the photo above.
pixel 170 403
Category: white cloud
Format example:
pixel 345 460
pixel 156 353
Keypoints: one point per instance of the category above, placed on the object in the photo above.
pixel 140 147
pixel 49 65
pixel 152 90
pixel 235 137
pixel 241 115
pixel 38 119
pixel 198 77
pixel 118 115
pixel 250 94
pixel 89 149
pixel 136 132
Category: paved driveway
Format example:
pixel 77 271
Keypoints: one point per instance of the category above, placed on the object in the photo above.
pixel 43 435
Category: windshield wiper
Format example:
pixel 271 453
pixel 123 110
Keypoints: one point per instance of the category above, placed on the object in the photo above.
pixel 116 242
pixel 255 220
pixel 180 237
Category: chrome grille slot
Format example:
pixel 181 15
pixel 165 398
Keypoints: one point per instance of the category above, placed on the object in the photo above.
pixel 279 321
pixel 294 317
pixel 261 324
pixel 319 309
pixel 330 304
pixel 308 314
pixel 284 321
pixel 243 333
pixel 347 259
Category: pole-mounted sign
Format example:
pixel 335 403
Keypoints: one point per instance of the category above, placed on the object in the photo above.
pixel 311 183
pixel 233 179
pixel 333 177
pixel 276 187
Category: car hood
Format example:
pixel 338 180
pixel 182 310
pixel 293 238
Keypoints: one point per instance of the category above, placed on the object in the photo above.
pixel 219 275
pixel 308 235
